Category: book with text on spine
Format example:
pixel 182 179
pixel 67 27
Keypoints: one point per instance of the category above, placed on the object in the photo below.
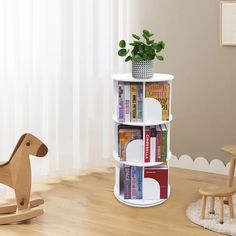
pixel 127 183
pixel 139 183
pixel 164 143
pixel 147 144
pixel 133 182
pixel 133 102
pixel 153 144
pixel 127 101
pixel 140 102
pixel 121 114
pixel 158 143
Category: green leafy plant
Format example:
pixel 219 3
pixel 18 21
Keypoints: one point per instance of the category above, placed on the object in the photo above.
pixel 144 48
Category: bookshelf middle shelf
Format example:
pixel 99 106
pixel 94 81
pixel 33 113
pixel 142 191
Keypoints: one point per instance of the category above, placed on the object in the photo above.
pixel 144 164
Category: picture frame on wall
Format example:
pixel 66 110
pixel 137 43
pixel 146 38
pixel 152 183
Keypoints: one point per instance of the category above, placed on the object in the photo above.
pixel 228 23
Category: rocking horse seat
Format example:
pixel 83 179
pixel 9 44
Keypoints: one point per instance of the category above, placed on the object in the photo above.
pixel 16 173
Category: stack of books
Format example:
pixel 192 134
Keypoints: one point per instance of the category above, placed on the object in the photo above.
pixel 155 143
pixel 130 99
pixel 131 182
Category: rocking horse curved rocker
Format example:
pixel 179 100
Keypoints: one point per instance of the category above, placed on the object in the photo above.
pixel 16 173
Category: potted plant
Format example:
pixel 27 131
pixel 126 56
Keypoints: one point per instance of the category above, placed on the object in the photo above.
pixel 144 50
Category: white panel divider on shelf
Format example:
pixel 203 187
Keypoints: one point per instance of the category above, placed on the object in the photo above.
pixel 151 189
pixel 152 111
pixel 134 151
pixel 152 116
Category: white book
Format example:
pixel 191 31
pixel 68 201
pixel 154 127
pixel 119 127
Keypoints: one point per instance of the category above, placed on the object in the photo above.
pixel 127 101
pixel 153 144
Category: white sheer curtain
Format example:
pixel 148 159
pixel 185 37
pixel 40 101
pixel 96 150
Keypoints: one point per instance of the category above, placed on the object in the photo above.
pixel 56 61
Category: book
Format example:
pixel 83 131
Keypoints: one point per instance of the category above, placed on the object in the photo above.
pixel 125 135
pixel 158 143
pixel 147 144
pixel 161 92
pixel 140 102
pixel 139 183
pixel 133 102
pixel 153 144
pixel 121 114
pixel 127 183
pixel 127 101
pixel 164 143
pixel 122 176
pixel 133 182
pixel 160 174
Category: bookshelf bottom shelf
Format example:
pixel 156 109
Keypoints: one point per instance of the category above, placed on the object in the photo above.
pixel 140 202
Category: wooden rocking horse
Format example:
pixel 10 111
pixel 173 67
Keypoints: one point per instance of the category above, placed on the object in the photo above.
pixel 16 173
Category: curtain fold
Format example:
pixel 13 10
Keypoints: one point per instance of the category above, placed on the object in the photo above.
pixel 56 61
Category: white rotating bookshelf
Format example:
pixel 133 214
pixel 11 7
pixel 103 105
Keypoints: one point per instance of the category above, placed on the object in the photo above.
pixel 135 150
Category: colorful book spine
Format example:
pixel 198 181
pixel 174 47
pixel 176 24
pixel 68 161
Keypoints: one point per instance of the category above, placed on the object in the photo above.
pixel 158 143
pixel 121 110
pixel 127 101
pixel 139 184
pixel 133 182
pixel 153 144
pixel 133 102
pixel 127 183
pixel 140 103
pixel 147 145
pixel 164 143
pixel 161 92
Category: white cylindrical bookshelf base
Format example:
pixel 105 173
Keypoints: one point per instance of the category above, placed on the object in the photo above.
pixel 139 202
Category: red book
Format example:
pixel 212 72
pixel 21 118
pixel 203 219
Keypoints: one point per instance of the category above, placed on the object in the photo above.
pixel 147 144
pixel 161 176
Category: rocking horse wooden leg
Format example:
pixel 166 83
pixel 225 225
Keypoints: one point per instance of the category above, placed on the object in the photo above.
pixel 20 216
pixel 12 207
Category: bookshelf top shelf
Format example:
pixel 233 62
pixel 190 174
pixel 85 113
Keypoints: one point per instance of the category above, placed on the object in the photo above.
pixel 156 78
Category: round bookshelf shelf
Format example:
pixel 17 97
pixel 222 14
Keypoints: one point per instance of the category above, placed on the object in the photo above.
pixel 143 123
pixel 140 202
pixel 145 164
pixel 156 78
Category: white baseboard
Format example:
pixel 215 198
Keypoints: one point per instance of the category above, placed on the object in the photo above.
pixel 200 164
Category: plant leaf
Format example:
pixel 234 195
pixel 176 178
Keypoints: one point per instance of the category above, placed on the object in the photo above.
pixel 128 58
pixel 137 57
pixel 122 43
pixel 136 36
pixel 122 52
pixel 161 44
pixel 146 32
pixel 160 58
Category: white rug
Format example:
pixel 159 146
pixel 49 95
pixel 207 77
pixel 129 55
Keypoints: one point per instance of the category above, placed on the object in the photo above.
pixel 211 222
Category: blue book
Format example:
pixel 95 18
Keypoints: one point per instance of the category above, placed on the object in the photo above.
pixel 133 182
pixel 127 183
pixel 139 179
pixel 121 102
pixel 140 103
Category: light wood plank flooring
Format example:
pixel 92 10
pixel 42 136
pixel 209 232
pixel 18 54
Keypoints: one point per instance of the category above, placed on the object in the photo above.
pixel 86 206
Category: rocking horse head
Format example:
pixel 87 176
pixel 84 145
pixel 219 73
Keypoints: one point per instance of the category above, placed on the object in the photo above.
pixel 31 145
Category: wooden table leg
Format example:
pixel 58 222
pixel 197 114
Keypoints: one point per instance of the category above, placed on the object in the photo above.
pixel 231 172
pixel 221 210
pixel 212 207
pixel 203 207
pixel 231 207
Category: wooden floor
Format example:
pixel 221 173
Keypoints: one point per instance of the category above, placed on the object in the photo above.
pixel 85 205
